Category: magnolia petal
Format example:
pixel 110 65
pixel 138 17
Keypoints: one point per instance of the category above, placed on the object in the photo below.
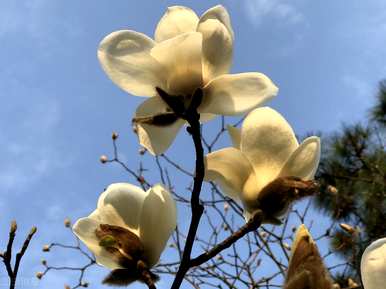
pixel 267 140
pixel 217 48
pixel 84 229
pixel 373 265
pixel 155 138
pixel 235 135
pixel 125 57
pixel 219 13
pixel 175 21
pixel 158 221
pixel 233 94
pixel 181 58
pixel 304 161
pixel 230 169
pixel 126 200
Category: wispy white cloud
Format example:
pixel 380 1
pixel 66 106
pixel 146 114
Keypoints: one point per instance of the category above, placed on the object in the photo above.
pixel 281 10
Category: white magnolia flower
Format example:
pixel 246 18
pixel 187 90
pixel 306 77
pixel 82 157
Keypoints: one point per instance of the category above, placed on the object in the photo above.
pixel 373 265
pixel 126 212
pixel 187 53
pixel 263 150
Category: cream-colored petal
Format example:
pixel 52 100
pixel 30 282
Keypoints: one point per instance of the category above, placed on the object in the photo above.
pixel 373 265
pixel 267 140
pixel 84 229
pixel 125 57
pixel 217 48
pixel 304 161
pixel 126 200
pixel 155 138
pixel 230 169
pixel 218 13
pixel 232 94
pixel 235 135
pixel 158 221
pixel 181 59
pixel 175 21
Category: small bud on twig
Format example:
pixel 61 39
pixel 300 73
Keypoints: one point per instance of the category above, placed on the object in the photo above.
pixel 46 248
pixel 114 135
pixel 13 227
pixel 67 222
pixel 352 284
pixel 348 228
pixel 44 262
pixel 103 159
pixel 39 275
pixel 331 189
pixel 142 151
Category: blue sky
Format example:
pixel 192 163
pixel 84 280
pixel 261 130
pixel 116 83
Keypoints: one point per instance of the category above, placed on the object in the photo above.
pixel 58 108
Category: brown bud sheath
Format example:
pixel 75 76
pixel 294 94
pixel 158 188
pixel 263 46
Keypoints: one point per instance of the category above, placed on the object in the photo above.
pixel 306 269
pixel 275 198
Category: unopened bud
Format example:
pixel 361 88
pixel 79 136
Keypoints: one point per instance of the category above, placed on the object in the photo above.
pixel 141 179
pixel 142 151
pixel 331 189
pixel 286 246
pixel 67 287
pixel 347 228
pixel 13 226
pixel 46 248
pixel 225 226
pixel 84 284
pixel 103 159
pixel 226 207
pixel 114 135
pixel 67 222
pixel 336 286
pixel 33 230
pixel 44 262
pixel 263 234
pixel 352 284
pixel 39 275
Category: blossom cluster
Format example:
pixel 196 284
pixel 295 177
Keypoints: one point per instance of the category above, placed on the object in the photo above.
pixel 187 66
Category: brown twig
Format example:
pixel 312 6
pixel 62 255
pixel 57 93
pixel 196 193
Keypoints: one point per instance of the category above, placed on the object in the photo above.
pixel 252 225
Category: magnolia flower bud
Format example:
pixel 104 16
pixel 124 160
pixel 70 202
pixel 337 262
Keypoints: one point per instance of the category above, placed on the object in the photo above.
pixel 142 151
pixel 347 228
pixel 39 275
pixel 67 287
pixel 103 159
pixel 306 268
pixel 226 207
pixel 287 246
pixel 67 222
pixel 141 179
pixel 84 284
pixel 352 284
pixel 13 226
pixel 46 248
pixel 114 135
pixel 331 189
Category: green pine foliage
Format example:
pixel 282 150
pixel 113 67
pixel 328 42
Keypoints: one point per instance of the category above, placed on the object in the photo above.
pixel 353 185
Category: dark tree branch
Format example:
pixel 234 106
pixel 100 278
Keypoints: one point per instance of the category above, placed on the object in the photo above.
pixel 7 256
pixel 197 209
